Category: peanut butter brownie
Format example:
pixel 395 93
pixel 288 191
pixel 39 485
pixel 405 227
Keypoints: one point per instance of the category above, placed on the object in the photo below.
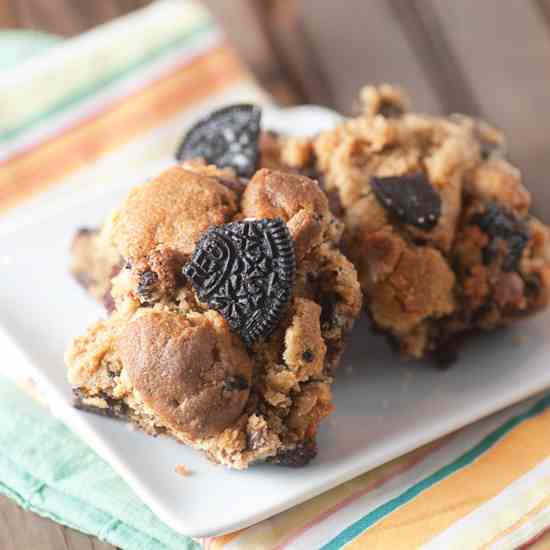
pixel 436 219
pixel 230 307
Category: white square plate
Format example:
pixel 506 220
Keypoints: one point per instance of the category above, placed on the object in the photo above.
pixel 384 407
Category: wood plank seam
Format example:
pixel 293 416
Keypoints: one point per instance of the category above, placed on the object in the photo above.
pixel 315 65
pixel 264 12
pixel 291 50
pixel 543 6
pixel 422 28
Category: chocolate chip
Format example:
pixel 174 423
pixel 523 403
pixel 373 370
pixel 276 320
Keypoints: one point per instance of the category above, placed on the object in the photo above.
pixel 533 285
pixel 334 203
pixel 446 353
pixel 237 185
pixel 245 270
pixel 301 455
pixel 235 383
pixel 503 227
pixel 308 356
pixel 227 137
pixel 147 281
pixel 516 246
pixel 328 301
pixel 411 198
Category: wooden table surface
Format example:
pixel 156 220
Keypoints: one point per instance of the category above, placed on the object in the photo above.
pixel 489 58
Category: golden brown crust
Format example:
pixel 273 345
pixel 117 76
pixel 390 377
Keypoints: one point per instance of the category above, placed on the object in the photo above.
pixel 417 284
pixel 182 369
pixel 171 211
pixel 305 348
pixel 498 180
pixel 275 194
pixel 296 199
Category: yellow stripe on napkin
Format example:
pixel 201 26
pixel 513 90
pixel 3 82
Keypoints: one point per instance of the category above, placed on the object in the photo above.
pixel 450 500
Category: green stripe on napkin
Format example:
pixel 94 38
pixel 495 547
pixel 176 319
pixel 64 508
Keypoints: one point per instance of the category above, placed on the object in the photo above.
pixel 44 467
pixel 16 46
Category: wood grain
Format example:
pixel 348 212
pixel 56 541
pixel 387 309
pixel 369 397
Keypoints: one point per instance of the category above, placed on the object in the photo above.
pixel 281 23
pixel 239 21
pixel 362 42
pixel 21 530
pixel 7 16
pixel 504 49
pixel 246 28
pixel 65 17
pixel 544 7
pixel 444 71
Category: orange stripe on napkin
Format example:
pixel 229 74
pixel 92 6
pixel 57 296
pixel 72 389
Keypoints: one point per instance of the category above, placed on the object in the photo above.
pixel 544 503
pixel 39 168
pixel 439 507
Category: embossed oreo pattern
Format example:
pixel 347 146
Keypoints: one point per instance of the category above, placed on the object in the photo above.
pixel 245 270
pixel 227 138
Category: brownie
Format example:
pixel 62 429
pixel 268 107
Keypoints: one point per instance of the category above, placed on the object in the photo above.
pixel 436 220
pixel 230 304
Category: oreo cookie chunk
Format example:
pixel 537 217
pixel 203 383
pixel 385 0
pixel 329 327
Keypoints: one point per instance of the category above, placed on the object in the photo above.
pixel 411 198
pixel 504 228
pixel 298 457
pixel 245 270
pixel 101 404
pixel 227 138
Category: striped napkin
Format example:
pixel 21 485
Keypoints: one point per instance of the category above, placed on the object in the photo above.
pixel 120 96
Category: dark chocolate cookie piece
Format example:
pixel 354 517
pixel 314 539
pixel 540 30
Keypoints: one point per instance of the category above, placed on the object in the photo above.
pixel 245 270
pixel 147 282
pixel 298 457
pixel 503 227
pixel 410 198
pixel 235 383
pixel 114 409
pixel 228 137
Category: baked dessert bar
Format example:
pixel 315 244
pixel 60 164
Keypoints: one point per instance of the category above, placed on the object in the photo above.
pixel 228 312
pixel 436 219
